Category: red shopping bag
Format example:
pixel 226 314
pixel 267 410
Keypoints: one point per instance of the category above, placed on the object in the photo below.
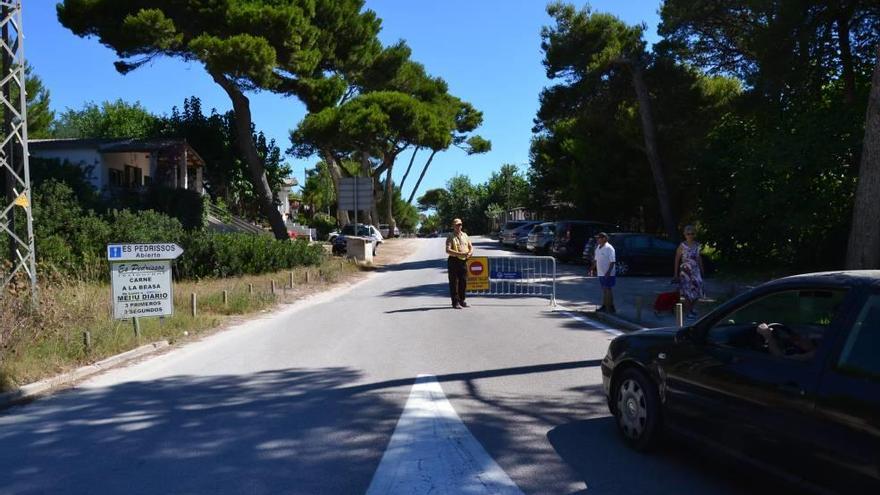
pixel 666 301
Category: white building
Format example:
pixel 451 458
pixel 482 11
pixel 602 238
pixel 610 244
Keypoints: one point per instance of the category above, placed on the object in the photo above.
pixel 128 163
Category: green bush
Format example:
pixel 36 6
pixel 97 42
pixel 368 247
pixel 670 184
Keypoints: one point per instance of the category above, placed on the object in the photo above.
pixel 323 223
pixel 216 254
pixel 71 241
pixel 144 227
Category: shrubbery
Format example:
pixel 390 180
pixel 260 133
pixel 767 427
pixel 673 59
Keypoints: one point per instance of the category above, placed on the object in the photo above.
pixel 72 241
pixel 324 224
pixel 211 254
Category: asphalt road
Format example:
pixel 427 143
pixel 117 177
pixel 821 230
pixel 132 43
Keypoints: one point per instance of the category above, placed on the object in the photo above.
pixel 306 401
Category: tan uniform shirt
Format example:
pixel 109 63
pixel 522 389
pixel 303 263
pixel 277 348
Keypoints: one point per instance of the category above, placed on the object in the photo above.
pixel 460 244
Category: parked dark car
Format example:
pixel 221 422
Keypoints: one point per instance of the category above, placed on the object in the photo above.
pixel 540 237
pixel 510 235
pixel 571 235
pixel 522 239
pixel 508 228
pixel 637 254
pixel 800 394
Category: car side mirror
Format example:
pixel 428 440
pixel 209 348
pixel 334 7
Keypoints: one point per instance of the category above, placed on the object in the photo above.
pixel 690 334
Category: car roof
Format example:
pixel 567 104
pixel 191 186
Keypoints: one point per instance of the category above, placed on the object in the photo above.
pixel 585 222
pixel 840 278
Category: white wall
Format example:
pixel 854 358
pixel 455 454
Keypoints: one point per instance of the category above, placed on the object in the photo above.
pixel 283 199
pixel 83 158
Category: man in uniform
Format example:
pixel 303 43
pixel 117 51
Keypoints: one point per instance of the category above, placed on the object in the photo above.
pixel 459 249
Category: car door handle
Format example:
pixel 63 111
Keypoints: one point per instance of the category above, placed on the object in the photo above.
pixel 791 388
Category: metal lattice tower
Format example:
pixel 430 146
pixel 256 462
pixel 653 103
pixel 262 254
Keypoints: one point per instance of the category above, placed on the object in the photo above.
pixel 16 219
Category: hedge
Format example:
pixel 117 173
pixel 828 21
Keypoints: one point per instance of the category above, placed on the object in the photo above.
pixel 72 241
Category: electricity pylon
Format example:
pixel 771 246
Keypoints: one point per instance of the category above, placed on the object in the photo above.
pixel 16 218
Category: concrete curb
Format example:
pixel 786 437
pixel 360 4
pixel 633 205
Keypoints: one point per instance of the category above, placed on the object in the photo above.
pixel 616 321
pixel 43 387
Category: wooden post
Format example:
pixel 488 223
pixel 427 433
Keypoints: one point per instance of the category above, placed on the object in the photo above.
pixel 639 302
pixel 225 297
pixel 308 276
pixel 291 280
pixel 194 304
pixel 273 286
pixel 679 315
pixel 87 341
pixel 137 327
pixel 250 288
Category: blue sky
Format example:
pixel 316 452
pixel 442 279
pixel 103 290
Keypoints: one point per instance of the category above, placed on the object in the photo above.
pixel 487 50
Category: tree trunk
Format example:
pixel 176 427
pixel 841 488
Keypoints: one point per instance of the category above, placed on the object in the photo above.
pixel 372 212
pixel 244 136
pixel 389 203
pixel 863 251
pixel 408 168
pixel 422 176
pixel 650 133
pixel 336 174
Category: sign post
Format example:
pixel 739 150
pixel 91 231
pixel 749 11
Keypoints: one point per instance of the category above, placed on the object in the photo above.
pixel 355 193
pixel 140 276
pixel 477 274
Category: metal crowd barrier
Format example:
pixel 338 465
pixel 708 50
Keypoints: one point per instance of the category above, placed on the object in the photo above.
pixel 521 276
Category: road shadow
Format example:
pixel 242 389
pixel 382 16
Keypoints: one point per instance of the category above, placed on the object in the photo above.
pixel 289 431
pixel 433 264
pixel 419 310
pixel 420 291
pixel 301 431
pixel 675 467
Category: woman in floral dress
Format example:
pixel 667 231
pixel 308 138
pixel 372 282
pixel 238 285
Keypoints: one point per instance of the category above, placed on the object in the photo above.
pixel 689 271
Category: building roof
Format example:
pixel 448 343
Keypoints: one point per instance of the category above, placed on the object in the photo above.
pixel 108 145
pixel 105 145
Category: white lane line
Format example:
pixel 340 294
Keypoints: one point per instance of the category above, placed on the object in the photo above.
pixel 586 321
pixel 432 451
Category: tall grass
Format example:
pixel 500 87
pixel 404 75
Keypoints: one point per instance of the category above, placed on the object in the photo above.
pixel 37 342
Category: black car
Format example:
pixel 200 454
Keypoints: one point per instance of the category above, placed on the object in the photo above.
pixel 572 235
pixel 637 253
pixel 786 375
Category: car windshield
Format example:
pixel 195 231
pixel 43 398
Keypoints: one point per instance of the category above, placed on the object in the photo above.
pixel 512 225
pixel 363 230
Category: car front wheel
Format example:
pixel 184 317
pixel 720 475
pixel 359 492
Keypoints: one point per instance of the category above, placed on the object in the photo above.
pixel 637 409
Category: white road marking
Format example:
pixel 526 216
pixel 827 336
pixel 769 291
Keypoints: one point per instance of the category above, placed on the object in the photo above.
pixel 432 451
pixel 586 321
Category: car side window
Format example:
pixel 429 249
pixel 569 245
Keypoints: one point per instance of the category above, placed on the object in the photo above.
pixel 788 324
pixel 860 351
pixel 664 244
pixel 638 242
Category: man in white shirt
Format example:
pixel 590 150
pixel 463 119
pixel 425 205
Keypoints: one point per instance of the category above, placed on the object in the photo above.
pixel 603 267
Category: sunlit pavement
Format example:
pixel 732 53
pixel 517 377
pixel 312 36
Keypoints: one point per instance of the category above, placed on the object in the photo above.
pixel 306 401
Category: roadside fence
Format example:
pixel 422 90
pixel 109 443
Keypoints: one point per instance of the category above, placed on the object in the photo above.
pixel 529 276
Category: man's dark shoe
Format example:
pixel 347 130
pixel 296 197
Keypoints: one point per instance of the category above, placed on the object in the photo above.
pixel 456 306
pixel 465 305
pixel 601 309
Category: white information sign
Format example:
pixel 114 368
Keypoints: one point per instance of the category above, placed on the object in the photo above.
pixel 137 252
pixel 141 289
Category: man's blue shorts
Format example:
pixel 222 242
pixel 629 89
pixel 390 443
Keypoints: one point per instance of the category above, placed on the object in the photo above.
pixel 607 281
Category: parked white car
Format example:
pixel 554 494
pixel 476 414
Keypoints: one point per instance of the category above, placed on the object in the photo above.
pixel 386 231
pixel 369 231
